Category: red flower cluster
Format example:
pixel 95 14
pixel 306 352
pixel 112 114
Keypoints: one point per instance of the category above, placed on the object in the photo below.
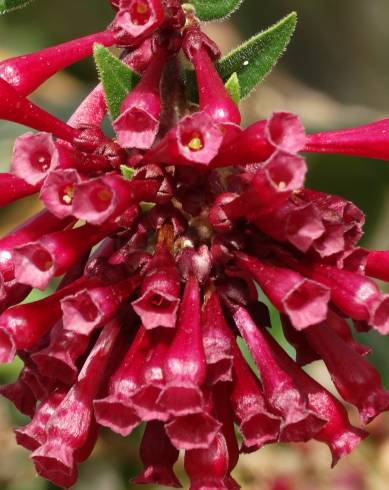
pixel 144 328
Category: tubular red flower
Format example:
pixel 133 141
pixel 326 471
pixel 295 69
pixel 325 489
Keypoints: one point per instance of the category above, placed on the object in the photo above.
pixel 299 421
pixel 22 326
pixel 304 352
pixel 38 225
pixel 370 140
pixel 136 19
pixel 343 330
pixel 91 111
pixel 152 380
pixel 377 264
pixel 354 294
pixel 36 263
pixel 208 468
pixel 39 385
pixel 282 131
pixel 360 385
pixel 139 58
pixel 92 307
pixel 34 155
pixel 98 199
pixel 196 139
pixel 20 394
pixel 185 365
pixel 58 190
pixel 13 188
pixel 214 98
pixel 11 293
pixel 269 187
pixel 223 410
pixel 102 198
pixel 194 431
pixel 342 220
pixel 159 297
pixel 379 317
pixel 33 435
pixel 218 342
pixel 158 457
pixel 195 262
pixel 337 433
pixel 26 73
pixel 299 224
pixel 58 359
pixel 115 410
pixel 138 123
pixel 57 458
pixel 16 108
pixel 303 300
pixel 257 424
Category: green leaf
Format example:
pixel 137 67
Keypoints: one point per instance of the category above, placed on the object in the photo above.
pixel 233 88
pixel 254 59
pixel 8 5
pixel 127 172
pixel 117 78
pixel 215 9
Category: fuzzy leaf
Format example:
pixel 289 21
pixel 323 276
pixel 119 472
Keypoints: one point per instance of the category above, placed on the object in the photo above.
pixel 215 9
pixel 233 88
pixel 254 59
pixel 8 5
pixel 117 78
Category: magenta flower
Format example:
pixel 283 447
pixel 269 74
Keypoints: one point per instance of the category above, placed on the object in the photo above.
pixel 163 237
pixel 196 139
pixel 138 123
pixel 160 292
pixel 26 73
pixel 158 456
pixel 13 188
pixel 34 156
pixel 370 140
pixel 185 364
pixel 136 19
pixel 213 96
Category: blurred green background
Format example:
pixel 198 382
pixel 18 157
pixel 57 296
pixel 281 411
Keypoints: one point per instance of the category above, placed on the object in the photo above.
pixel 335 73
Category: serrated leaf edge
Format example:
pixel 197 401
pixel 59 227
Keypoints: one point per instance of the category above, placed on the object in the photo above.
pixel 268 30
pixel 17 7
pixel 218 19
